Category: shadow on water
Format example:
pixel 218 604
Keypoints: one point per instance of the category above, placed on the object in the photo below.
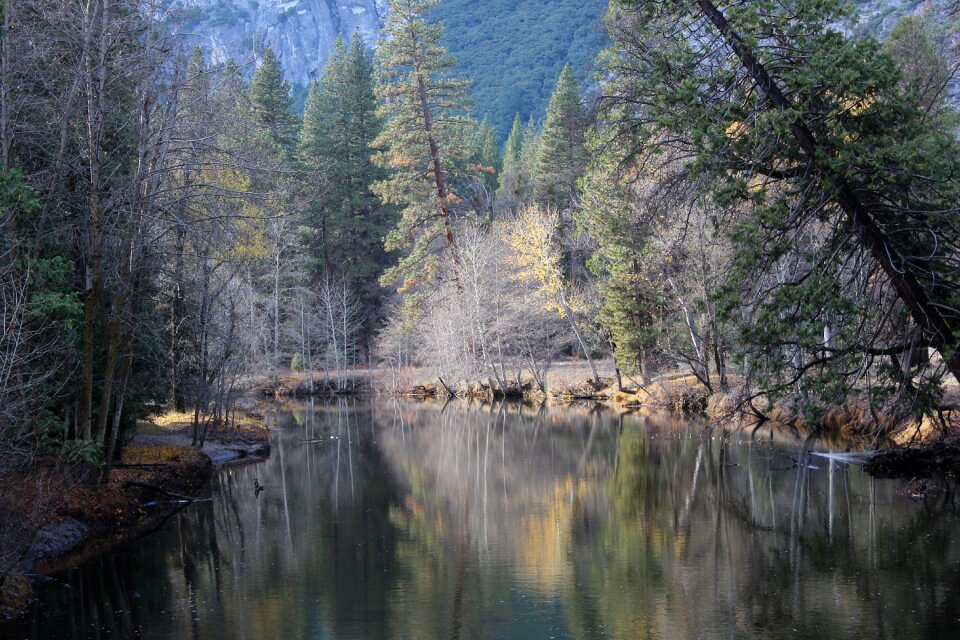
pixel 397 520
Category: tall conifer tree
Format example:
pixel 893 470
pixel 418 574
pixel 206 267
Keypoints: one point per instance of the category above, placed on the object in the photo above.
pixel 339 126
pixel 272 104
pixel 424 107
pixel 562 155
pixel 508 195
pixel 529 152
pixel 486 153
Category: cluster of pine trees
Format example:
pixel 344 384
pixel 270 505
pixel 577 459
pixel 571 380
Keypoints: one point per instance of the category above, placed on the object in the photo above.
pixel 169 227
pixel 771 205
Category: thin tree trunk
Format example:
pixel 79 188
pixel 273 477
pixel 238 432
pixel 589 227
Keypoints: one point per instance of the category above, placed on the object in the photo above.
pixel 572 319
pixel 6 119
pixel 111 441
pixel 276 313
pixel 440 181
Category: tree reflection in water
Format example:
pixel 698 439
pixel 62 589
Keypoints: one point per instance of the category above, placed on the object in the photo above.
pixel 397 520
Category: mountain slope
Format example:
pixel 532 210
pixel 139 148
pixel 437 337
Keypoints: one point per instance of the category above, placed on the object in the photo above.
pixel 514 50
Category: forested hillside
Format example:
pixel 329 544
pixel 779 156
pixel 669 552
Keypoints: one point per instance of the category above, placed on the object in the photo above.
pixel 768 213
pixel 513 50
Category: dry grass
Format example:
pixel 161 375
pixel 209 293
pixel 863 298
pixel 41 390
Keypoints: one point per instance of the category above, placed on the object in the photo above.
pixel 172 420
pixel 248 429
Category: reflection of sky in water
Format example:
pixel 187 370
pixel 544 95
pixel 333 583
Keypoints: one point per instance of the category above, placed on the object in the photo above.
pixel 405 521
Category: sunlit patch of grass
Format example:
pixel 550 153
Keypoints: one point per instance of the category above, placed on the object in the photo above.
pixel 136 453
pixel 173 420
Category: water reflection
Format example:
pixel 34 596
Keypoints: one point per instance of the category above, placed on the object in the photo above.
pixel 395 520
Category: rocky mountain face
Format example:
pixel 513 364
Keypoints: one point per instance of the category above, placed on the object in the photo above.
pixel 300 32
pixel 880 16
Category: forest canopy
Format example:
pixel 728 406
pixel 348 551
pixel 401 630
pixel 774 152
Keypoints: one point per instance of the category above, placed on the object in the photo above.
pixel 513 52
pixel 748 196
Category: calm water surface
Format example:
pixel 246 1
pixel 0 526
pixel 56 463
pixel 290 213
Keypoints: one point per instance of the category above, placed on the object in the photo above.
pixel 404 521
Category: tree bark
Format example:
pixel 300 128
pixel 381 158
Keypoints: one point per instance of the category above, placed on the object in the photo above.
pixel 943 333
pixel 6 125
pixel 94 86
pixel 572 319
pixel 440 181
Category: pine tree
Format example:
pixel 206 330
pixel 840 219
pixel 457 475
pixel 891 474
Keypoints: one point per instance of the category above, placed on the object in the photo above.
pixel 624 258
pixel 486 153
pixel 423 106
pixel 508 195
pixel 826 168
pixel 272 105
pixel 232 102
pixel 529 153
pixel 562 156
pixel 339 125
pixel 197 86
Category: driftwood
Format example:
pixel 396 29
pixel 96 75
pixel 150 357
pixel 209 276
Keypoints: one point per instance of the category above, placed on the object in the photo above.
pixel 450 392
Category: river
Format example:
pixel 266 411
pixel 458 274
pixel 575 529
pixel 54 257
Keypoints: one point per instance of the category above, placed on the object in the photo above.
pixel 394 520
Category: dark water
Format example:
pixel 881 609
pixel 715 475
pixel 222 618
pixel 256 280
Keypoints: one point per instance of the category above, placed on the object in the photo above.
pixel 403 521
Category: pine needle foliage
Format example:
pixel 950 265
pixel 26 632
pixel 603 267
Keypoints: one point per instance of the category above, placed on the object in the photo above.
pixel 424 142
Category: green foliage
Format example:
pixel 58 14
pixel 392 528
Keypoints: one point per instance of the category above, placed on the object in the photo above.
pixel 625 261
pixel 486 154
pixel 36 276
pixel 426 149
pixel 83 451
pixel 529 155
pixel 514 50
pixel 272 104
pixel 43 262
pixel 344 219
pixel 799 258
pixel 511 178
pixel 919 48
pixel 296 363
pixel 562 155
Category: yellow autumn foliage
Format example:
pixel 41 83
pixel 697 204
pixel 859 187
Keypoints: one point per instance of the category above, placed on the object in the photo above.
pixel 226 186
pixel 536 253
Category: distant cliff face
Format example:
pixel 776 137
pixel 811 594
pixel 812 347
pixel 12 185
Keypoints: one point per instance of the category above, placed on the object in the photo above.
pixel 300 32
pixel 880 16
pixel 513 49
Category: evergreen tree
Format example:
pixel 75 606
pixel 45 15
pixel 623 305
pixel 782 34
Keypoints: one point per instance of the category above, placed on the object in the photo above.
pixel 231 98
pixel 272 105
pixel 529 151
pixel 508 195
pixel 624 259
pixel 197 86
pixel 828 169
pixel 346 220
pixel 562 156
pixel 486 154
pixel 423 140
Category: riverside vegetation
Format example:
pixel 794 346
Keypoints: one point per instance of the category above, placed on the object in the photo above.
pixel 752 210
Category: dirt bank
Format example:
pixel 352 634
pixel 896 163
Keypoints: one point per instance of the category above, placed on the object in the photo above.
pixel 940 457
pixel 159 474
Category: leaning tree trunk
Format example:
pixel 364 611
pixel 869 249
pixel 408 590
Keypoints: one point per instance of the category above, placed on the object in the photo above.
pixel 943 331
pixel 440 181
pixel 572 319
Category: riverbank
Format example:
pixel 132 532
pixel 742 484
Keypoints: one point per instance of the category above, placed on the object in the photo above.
pixel 893 448
pixel 60 515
